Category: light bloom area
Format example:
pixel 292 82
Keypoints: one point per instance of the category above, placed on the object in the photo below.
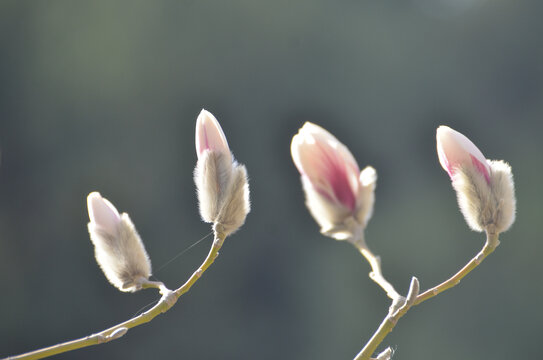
pixel 484 188
pixel 118 248
pixel 339 197
pixel 221 182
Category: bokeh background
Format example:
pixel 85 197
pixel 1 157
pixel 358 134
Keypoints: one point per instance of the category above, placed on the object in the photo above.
pixel 104 95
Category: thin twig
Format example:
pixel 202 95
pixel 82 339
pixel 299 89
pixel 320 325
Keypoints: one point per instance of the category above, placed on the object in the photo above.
pixel 389 322
pixel 491 244
pixel 391 319
pixel 376 273
pixel 168 299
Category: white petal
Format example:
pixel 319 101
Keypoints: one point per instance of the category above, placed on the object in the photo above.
pixel 102 213
pixel 209 134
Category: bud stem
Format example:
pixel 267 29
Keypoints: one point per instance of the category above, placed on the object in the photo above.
pixel 168 299
pixel 376 273
pixel 211 256
pixel 491 244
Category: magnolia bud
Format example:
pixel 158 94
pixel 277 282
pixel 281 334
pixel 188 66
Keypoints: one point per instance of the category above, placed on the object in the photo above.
pixel 484 188
pixel 209 136
pixel 117 246
pixel 338 196
pixel 221 183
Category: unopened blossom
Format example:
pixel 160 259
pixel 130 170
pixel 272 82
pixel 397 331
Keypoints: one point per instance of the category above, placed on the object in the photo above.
pixel 455 150
pixel 338 195
pixel 102 214
pixel 117 246
pixel 484 188
pixel 209 135
pixel 221 183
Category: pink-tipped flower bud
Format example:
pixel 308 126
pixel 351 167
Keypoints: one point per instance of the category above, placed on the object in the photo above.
pixel 118 248
pixel 484 188
pixel 209 135
pixel 339 197
pixel 455 150
pixel 221 183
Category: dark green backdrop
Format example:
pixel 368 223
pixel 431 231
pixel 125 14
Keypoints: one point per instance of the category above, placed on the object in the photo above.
pixel 103 96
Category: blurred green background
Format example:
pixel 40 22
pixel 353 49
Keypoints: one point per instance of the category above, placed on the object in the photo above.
pixel 104 95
